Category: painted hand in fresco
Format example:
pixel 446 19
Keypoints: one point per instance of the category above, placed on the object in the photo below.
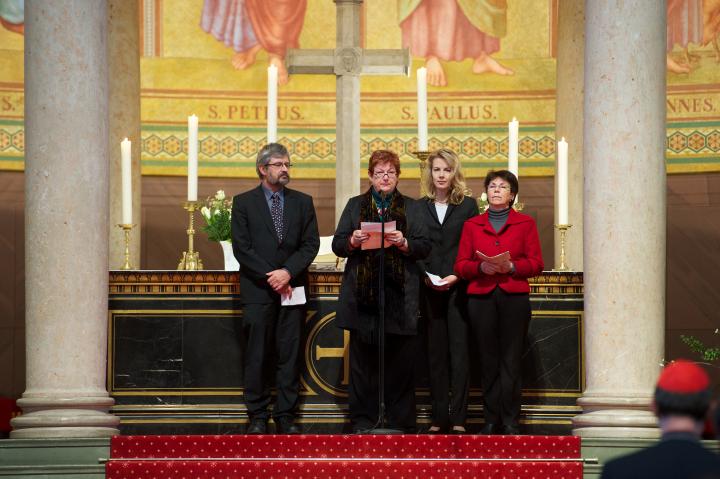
pixel 249 26
pixel 454 30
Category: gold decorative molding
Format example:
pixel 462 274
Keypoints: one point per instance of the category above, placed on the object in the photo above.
pixel 174 282
pixel 322 283
pixel 557 282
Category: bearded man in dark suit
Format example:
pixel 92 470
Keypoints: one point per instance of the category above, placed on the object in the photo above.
pixel 275 238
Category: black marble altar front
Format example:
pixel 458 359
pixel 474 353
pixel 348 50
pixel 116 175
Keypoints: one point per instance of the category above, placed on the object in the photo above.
pixel 174 355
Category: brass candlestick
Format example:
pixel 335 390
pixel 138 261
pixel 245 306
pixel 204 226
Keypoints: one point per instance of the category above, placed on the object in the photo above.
pixel 126 228
pixel 518 206
pixel 563 230
pixel 190 260
pixel 423 157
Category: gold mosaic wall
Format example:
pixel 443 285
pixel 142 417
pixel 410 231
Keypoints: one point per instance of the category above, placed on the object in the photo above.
pixel 185 70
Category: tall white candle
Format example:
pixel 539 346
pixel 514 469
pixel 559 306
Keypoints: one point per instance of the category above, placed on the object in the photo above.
pixel 513 138
pixel 562 182
pixel 126 175
pixel 272 103
pixel 192 158
pixel 513 135
pixel 422 109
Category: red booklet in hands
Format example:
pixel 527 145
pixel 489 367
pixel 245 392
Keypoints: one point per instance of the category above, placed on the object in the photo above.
pixel 497 259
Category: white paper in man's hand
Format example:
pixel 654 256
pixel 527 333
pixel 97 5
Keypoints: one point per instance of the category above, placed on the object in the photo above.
pixel 297 298
pixel 435 279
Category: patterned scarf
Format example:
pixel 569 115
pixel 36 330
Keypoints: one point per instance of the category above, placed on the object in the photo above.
pixel 368 267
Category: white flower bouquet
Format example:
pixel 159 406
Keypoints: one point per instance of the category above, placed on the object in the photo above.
pixel 217 211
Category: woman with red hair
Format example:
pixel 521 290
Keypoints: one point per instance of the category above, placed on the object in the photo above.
pixel 359 306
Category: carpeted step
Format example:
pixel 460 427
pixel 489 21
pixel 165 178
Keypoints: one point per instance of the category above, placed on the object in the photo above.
pixel 341 468
pixel 347 446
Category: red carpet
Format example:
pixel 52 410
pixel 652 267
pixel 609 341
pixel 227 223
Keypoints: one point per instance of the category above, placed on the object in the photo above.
pixel 351 456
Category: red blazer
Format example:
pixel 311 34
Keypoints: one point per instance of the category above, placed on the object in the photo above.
pixel 519 236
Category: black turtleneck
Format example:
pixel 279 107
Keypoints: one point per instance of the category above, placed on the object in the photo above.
pixel 498 218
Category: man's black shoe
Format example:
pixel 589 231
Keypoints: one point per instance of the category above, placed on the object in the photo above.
pixel 285 425
pixel 257 426
pixel 488 428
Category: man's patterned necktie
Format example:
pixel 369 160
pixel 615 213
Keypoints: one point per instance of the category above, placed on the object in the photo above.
pixel 276 213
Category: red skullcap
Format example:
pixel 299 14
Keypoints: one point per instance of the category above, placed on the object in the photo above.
pixel 683 377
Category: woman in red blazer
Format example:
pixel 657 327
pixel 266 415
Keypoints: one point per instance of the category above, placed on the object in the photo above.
pixel 499 295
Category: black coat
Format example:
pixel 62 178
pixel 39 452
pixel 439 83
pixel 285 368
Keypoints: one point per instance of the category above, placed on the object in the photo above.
pixel 400 322
pixel 445 237
pixel 669 459
pixel 256 246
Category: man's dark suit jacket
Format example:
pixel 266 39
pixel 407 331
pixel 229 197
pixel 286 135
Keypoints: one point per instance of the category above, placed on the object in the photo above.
pixel 672 458
pixel 256 246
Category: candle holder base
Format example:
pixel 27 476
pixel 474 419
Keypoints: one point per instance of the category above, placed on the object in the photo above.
pixel 190 260
pixel 518 206
pixel 126 228
pixel 422 156
pixel 563 231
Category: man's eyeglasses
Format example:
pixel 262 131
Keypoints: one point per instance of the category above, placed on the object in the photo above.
pixel 381 174
pixel 280 165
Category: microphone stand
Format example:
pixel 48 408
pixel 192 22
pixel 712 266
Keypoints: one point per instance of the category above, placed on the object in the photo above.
pixel 380 424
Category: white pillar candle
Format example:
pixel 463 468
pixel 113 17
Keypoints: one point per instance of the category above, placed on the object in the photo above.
pixel 513 138
pixel 422 109
pixel 126 175
pixel 513 135
pixel 192 158
pixel 562 182
pixel 272 105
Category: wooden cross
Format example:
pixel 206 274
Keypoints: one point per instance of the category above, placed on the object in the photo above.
pixel 347 62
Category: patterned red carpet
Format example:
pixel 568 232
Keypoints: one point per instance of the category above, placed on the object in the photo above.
pixel 352 456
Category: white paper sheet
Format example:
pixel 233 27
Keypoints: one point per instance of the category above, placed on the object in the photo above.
pixel 374 229
pixel 297 298
pixel 435 279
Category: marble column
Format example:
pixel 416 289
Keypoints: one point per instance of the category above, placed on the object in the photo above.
pixel 66 221
pixel 569 123
pixel 624 209
pixel 123 56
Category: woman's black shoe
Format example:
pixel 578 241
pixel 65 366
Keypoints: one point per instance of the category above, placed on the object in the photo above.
pixel 488 429
pixel 439 430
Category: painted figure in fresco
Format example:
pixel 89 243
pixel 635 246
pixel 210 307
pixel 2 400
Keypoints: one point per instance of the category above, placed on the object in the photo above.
pixel 248 26
pixel 711 25
pixel 684 26
pixel 453 30
pixel 691 21
pixel 12 15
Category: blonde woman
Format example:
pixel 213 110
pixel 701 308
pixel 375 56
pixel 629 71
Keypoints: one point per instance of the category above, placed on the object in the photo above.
pixel 445 209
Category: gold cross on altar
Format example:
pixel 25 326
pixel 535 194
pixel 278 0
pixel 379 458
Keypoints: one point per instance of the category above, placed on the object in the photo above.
pixel 342 352
pixel 347 62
